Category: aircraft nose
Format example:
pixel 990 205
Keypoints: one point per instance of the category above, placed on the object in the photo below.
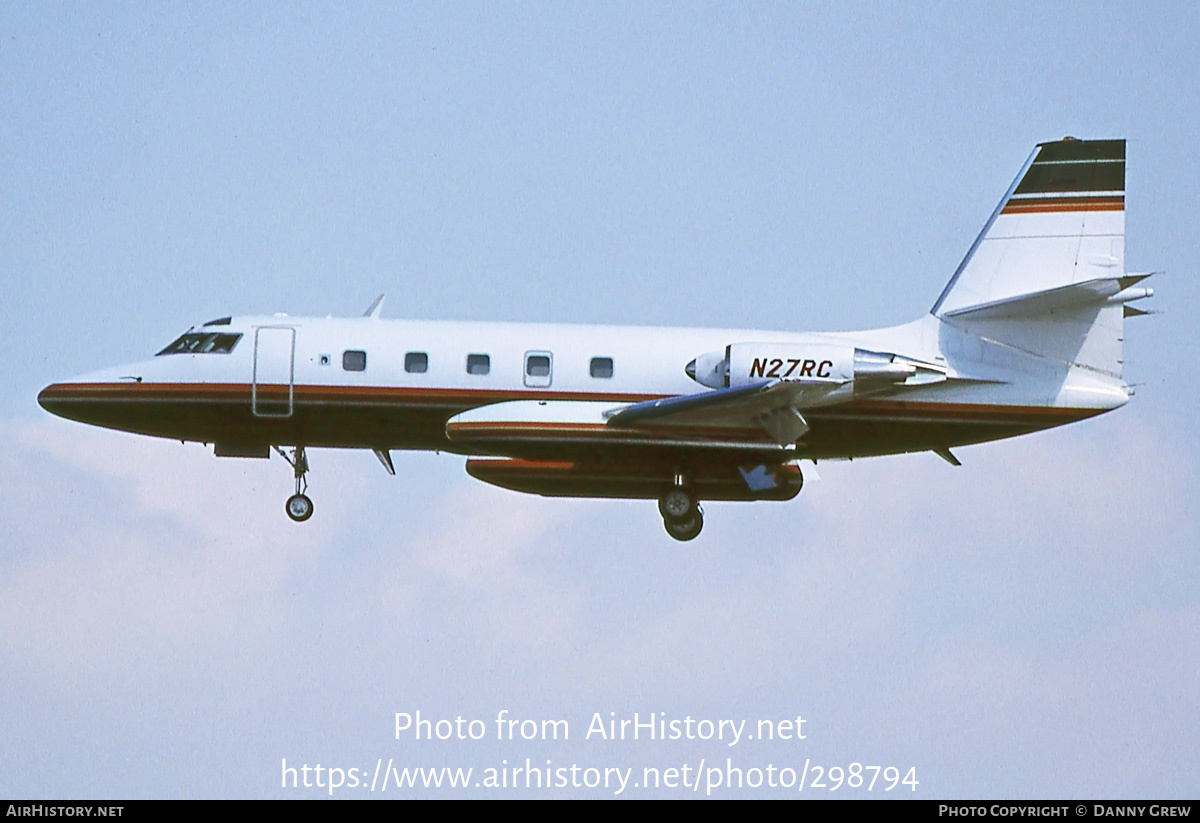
pixel 51 399
pixel 83 401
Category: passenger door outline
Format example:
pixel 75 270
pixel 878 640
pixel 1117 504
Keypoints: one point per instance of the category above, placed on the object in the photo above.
pixel 273 347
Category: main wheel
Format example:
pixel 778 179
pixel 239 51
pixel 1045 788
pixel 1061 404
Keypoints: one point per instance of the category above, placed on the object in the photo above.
pixel 677 504
pixel 684 530
pixel 299 507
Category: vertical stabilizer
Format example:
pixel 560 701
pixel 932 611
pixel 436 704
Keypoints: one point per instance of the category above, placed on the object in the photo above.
pixel 1060 225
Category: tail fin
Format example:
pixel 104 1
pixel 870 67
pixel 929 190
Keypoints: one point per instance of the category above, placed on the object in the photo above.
pixel 1047 273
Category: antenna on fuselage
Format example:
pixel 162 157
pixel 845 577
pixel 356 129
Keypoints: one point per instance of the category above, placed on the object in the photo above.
pixel 375 308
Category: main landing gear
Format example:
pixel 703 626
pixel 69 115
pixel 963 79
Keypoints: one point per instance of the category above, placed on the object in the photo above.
pixel 298 506
pixel 682 516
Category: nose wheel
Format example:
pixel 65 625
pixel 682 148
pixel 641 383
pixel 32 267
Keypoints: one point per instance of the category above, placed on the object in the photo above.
pixel 298 507
pixel 681 513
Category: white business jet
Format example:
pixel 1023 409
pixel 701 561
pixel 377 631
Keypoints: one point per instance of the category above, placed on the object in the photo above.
pixel 1027 335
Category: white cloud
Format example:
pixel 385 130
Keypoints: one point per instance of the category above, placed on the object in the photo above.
pixel 484 536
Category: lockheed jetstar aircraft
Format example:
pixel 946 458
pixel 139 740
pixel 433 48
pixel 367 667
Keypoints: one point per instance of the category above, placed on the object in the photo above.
pixel 1027 335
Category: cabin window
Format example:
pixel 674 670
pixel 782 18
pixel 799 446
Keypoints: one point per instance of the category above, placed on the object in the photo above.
pixel 538 365
pixel 416 362
pixel 602 367
pixel 203 343
pixel 354 360
pixel 478 364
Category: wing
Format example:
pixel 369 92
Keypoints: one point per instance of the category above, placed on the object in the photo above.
pixel 739 443
pixel 764 414
pixel 770 405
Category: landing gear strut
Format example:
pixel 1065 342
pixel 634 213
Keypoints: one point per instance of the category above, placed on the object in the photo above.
pixel 298 506
pixel 682 516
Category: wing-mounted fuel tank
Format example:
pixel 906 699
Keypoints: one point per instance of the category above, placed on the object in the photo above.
pixel 844 369
pixel 716 481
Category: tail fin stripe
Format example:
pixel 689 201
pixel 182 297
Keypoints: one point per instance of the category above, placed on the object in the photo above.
pixel 1088 150
pixel 1038 205
pixel 1048 178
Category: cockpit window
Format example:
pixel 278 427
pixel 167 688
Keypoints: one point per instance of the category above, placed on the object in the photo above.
pixel 203 343
pixel 220 321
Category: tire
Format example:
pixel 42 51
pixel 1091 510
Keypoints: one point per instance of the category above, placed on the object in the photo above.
pixel 677 504
pixel 299 507
pixel 685 530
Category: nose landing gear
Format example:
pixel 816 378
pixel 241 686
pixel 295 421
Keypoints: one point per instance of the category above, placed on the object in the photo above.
pixel 298 507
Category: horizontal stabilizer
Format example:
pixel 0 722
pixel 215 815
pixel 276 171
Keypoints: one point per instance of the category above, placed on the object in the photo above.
pixel 1076 323
pixel 1035 304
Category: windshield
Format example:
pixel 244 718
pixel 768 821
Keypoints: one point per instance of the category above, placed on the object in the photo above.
pixel 203 343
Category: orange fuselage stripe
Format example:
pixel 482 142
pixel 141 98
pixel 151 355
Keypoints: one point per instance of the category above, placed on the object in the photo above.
pixel 474 398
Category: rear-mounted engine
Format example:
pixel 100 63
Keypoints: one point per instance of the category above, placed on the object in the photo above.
pixel 816 363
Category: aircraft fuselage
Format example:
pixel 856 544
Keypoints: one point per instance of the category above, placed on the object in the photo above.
pixel 388 384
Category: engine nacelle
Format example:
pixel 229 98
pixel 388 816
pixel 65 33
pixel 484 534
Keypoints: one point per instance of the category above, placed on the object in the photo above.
pixel 816 363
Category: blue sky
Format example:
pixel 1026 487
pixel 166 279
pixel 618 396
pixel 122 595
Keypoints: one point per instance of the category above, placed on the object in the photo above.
pixel 1026 625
